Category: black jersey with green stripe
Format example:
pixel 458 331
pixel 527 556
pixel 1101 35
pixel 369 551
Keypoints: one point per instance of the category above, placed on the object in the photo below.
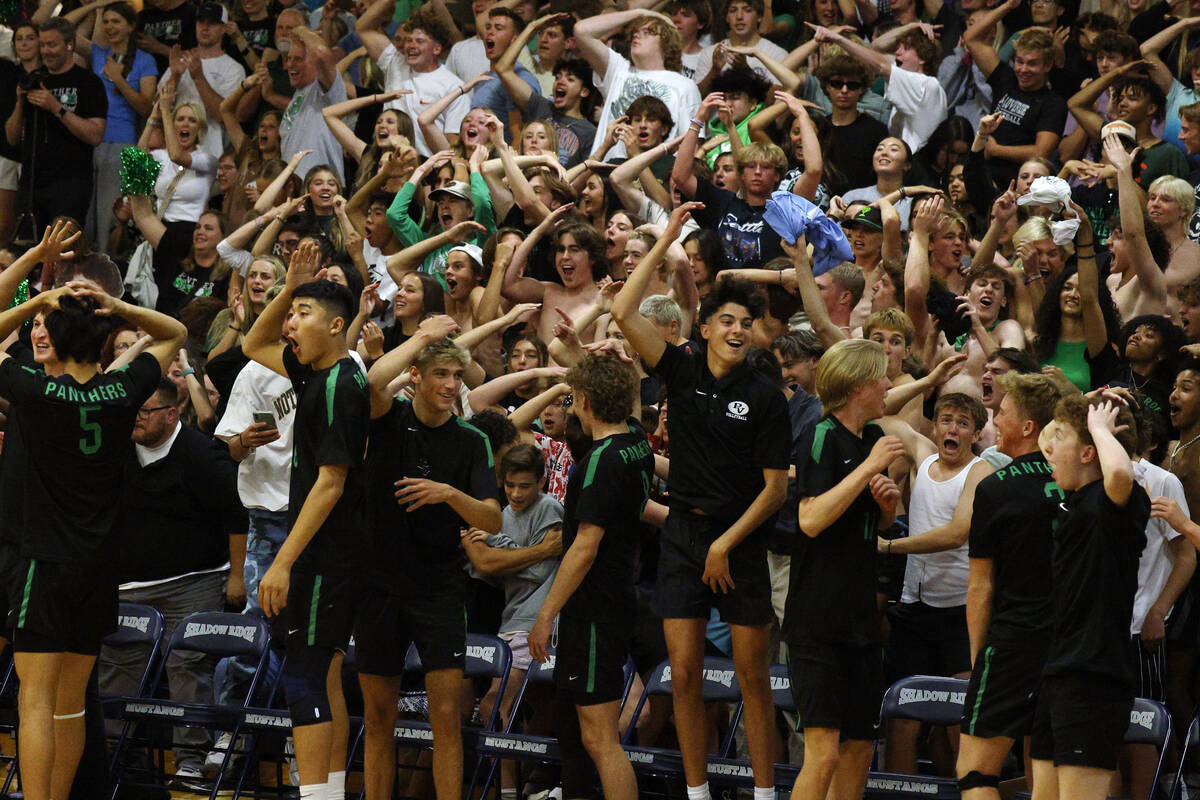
pixel 608 488
pixel 831 596
pixel 75 438
pixel 1012 523
pixel 422 546
pixel 332 416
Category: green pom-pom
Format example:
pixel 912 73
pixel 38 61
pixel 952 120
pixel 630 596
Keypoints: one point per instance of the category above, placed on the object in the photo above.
pixel 22 294
pixel 139 172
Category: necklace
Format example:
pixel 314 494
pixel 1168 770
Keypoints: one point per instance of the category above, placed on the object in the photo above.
pixel 1175 452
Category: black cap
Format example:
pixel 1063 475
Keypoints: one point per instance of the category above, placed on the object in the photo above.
pixel 868 217
pixel 212 12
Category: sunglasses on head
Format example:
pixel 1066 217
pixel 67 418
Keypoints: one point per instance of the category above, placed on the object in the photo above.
pixel 838 83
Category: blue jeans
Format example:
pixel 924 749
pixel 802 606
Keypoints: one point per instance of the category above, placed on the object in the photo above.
pixel 264 537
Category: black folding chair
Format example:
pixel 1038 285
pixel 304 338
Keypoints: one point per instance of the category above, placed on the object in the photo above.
pixel 218 634
pixel 924 698
pixel 141 626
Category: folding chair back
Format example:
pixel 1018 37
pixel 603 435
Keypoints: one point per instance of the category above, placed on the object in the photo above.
pixel 143 625
pixel 925 698
pixel 1150 723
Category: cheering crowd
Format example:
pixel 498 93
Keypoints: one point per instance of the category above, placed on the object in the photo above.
pixel 861 335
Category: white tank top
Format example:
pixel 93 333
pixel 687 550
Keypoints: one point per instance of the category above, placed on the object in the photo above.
pixel 936 579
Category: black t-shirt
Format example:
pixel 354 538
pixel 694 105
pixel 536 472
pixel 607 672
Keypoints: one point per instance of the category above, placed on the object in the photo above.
pixel 56 153
pixel 332 417
pixel 851 153
pixel 1012 523
pixel 1097 545
pixel 260 35
pixel 575 135
pixel 176 26
pixel 176 286
pixel 1024 115
pixel 421 547
pixel 831 592
pixel 76 439
pixel 608 488
pixel 14 457
pixel 723 433
pixel 749 242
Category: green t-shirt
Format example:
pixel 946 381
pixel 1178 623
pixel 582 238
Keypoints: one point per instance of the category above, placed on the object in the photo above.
pixel 1158 160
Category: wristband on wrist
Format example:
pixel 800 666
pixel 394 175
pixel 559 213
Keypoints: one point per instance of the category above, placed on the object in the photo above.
pixel 189 371
pixel 698 122
pixel 1031 278
pixel 903 194
pixel 236 328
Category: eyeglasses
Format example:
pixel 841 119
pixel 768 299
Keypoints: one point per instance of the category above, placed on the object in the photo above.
pixel 145 412
pixel 852 86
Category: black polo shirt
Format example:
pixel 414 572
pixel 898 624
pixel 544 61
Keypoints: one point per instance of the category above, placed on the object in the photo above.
pixel 1097 547
pixel 723 433
pixel 831 592
pixel 1012 523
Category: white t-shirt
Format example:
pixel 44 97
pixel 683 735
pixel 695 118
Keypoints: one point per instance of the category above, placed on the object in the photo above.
pixel 377 268
pixel 426 88
pixel 264 474
pixel 468 58
pixel 623 83
pixel 918 106
pixel 1154 566
pixel 191 193
pixel 705 59
pixel 303 127
pixel 223 74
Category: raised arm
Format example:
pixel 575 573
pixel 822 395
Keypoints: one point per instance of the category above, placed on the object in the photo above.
pixel 393 363
pixel 270 197
pixel 435 137
pixel 814 166
pixel 370 27
pixel 169 333
pixel 622 178
pixel 1094 330
pixel 591 32
pixel 492 392
pixel 262 342
pixel 175 151
pixel 505 66
pixel 147 222
pixel 410 258
pixel 916 270
pixel 872 58
pixel 810 295
pixel 333 114
pixel 326 59
pixel 981 50
pixel 1115 465
pixel 521 189
pixel 1082 104
pixel 788 79
pixel 681 172
pixel 640 332
pixel 517 287
pixel 1152 284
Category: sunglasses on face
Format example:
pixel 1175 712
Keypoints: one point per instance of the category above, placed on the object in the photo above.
pixel 852 86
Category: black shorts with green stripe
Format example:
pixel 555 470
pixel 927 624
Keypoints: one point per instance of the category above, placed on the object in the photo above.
pixel 1002 692
pixel 589 661
pixel 320 610
pixel 62 608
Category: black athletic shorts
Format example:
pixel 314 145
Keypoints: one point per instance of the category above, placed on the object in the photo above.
pixel 680 592
pixel 927 641
pixel 834 686
pixel 589 661
pixel 386 623
pixel 63 608
pixel 1081 720
pixel 320 610
pixel 10 566
pixel 1002 693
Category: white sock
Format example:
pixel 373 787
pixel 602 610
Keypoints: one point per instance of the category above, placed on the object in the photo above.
pixel 508 794
pixel 314 791
pixel 700 792
pixel 764 794
pixel 337 786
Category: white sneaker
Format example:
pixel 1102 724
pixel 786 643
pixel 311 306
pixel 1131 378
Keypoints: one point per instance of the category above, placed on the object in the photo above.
pixel 212 763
